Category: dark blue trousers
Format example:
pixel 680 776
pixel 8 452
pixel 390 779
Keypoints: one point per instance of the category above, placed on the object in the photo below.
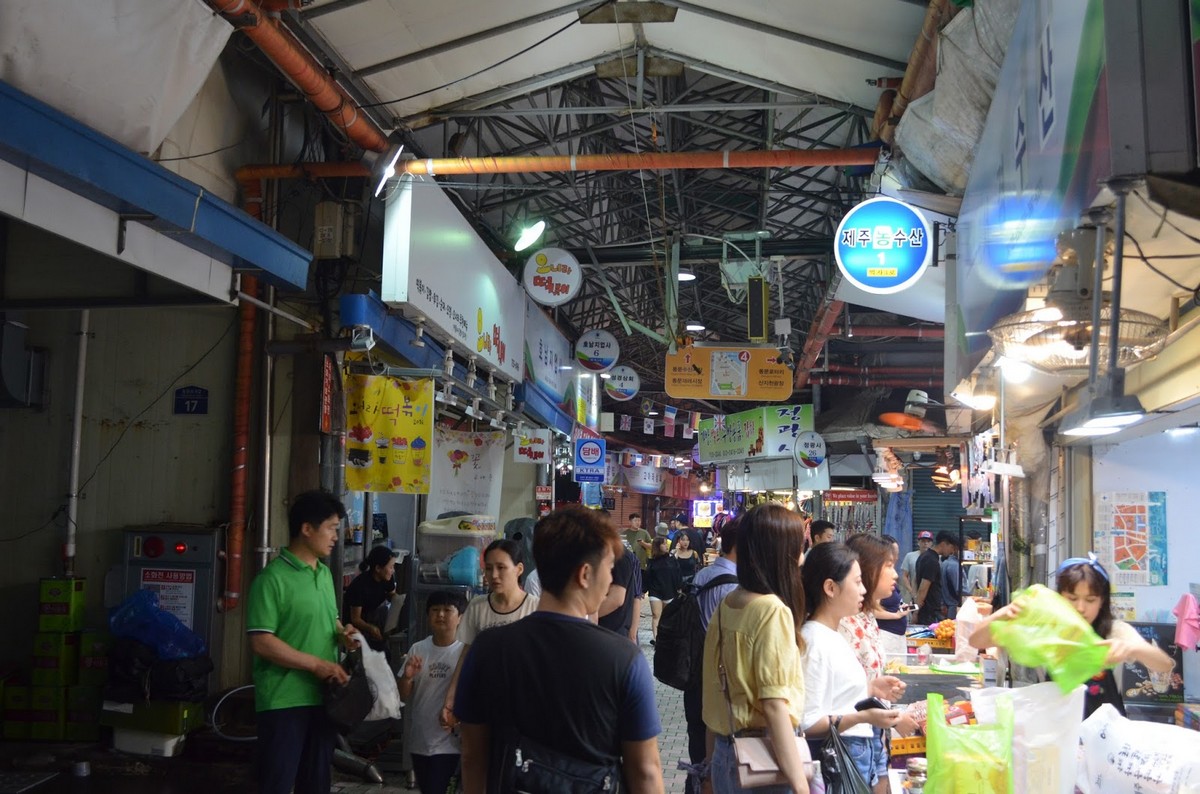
pixel 433 772
pixel 295 751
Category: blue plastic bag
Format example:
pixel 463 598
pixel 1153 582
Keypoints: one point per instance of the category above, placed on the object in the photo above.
pixel 140 618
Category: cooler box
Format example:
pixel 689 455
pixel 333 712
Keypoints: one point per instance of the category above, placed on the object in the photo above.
pixel 163 745
pixel 47 712
pixel 16 711
pixel 61 604
pixel 440 547
pixel 154 716
pixel 55 659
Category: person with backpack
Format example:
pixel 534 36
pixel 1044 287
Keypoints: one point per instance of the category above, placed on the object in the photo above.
pixel 663 582
pixel 712 585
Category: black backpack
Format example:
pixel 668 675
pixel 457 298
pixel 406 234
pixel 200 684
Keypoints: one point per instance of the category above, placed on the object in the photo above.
pixel 679 647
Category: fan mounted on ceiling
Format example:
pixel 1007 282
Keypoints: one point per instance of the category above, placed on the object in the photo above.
pixel 1056 337
pixel 913 417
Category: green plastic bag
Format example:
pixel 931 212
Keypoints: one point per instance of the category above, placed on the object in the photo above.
pixel 969 759
pixel 1049 633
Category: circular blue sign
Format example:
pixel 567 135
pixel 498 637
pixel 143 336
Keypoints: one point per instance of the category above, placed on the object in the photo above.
pixel 590 452
pixel 883 245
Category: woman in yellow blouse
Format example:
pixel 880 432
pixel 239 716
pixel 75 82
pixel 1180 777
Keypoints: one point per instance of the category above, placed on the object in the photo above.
pixel 754 631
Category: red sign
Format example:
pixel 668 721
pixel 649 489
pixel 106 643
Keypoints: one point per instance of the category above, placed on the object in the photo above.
pixel 849 496
pixel 327 394
pixel 543 493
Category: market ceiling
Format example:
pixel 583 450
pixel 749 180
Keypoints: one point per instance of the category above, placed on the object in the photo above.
pixel 548 78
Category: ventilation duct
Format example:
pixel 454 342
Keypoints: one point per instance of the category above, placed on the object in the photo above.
pixel 22 369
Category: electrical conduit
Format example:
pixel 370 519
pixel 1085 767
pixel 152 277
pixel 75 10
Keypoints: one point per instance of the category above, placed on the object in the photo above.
pixel 85 318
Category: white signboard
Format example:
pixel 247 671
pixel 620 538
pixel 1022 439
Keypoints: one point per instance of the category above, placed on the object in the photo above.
pixel 437 268
pixel 547 352
pixel 531 446
pixel 552 276
pixel 597 350
pixel 176 589
pixel 623 385
pixel 466 472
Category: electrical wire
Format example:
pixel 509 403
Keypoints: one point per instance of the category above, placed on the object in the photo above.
pixel 152 403
pixel 1166 219
pixel 61 509
pixel 1142 256
pixel 203 154
pixel 501 62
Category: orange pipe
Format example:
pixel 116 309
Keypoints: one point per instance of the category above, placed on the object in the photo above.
pixel 305 72
pixel 869 370
pixel 248 174
pixel 817 335
pixel 779 158
pixel 865 382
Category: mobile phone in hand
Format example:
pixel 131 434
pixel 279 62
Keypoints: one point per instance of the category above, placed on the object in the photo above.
pixel 870 703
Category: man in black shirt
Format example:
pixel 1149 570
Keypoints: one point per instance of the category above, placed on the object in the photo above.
pixel 929 587
pixel 619 611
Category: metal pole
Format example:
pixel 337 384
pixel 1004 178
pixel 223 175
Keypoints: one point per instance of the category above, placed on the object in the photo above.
pixel 266 410
pixel 1121 187
pixel 85 318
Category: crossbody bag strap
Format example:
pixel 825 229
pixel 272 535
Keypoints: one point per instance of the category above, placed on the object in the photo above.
pixel 721 675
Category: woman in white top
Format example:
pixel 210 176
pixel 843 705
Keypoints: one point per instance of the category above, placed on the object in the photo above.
pixel 834 680
pixel 506 603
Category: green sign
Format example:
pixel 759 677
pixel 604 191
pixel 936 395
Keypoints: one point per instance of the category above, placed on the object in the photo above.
pixel 764 432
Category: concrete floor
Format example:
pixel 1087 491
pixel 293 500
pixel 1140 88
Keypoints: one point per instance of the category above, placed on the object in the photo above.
pixel 213 766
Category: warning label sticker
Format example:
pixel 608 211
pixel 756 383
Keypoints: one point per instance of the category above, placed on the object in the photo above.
pixel 176 590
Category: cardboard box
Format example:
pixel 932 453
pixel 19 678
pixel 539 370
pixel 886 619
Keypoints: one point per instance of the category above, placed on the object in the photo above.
pixel 93 657
pixel 61 605
pixel 55 659
pixel 154 716
pixel 16 711
pixel 83 713
pixel 47 712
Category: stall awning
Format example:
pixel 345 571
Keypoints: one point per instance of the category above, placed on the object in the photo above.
pixel 48 144
pixel 400 335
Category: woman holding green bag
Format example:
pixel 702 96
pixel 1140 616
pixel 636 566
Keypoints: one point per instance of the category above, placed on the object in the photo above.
pixel 1084 583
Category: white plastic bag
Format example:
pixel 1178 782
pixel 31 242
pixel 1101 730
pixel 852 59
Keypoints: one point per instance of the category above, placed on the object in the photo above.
pixel 1045 734
pixel 383 682
pixel 965 622
pixel 1119 756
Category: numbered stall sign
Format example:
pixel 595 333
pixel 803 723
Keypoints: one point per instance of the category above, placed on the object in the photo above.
pixel 191 400
pixel 883 245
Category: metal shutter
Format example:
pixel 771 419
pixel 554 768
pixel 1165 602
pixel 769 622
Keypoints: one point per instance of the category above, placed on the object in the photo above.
pixel 932 509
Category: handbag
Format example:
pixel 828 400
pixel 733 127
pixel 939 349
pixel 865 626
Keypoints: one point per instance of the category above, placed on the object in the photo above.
pixel 531 767
pixel 757 764
pixel 838 771
pixel 347 705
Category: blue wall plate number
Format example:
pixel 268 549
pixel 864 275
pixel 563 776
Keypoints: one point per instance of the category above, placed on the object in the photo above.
pixel 883 245
pixel 191 400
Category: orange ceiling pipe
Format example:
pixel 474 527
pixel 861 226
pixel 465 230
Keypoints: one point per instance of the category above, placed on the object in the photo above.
pixel 873 370
pixel 817 335
pixel 921 73
pixel 873 331
pixel 780 158
pixel 305 72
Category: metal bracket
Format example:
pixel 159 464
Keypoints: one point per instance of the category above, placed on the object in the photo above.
pixel 123 219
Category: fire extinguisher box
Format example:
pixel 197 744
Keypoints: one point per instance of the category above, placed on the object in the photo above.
pixel 61 604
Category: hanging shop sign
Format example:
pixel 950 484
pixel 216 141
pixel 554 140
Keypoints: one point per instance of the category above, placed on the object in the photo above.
pixel 438 271
pixel 641 474
pixel 589 460
pixel 587 400
pixel 390 428
pixel 531 446
pixel 767 432
pixel 597 350
pixel 552 276
pixel 623 383
pixel 727 373
pixel 547 356
pixel 466 472
pixel 883 245
pixel 809 449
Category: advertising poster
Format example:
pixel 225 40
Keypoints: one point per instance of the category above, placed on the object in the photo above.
pixel 1130 536
pixel 531 446
pixel 767 432
pixel 466 472
pixel 1139 685
pixel 389 433
pixel 727 373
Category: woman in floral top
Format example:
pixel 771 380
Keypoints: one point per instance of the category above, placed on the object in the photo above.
pixel 878 563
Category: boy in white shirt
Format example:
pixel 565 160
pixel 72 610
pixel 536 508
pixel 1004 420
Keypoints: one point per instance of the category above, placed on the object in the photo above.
pixel 427 670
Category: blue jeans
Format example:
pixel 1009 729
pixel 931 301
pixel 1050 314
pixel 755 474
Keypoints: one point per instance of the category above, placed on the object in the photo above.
pixel 868 754
pixel 724 772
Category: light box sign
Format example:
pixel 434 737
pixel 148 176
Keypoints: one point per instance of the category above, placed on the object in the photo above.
pixel 701 372
pixel 768 432
pixel 623 384
pixel 547 351
pixel 552 276
pixel 589 460
pixel 437 268
pixel 783 424
pixel 597 350
pixel 883 245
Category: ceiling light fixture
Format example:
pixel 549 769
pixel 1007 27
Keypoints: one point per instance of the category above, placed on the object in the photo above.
pixel 1104 415
pixel 686 275
pixel 605 375
pixel 1014 371
pixel 389 171
pixel 530 235
pixel 694 325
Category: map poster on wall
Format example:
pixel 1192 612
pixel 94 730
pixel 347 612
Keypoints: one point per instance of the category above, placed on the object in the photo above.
pixel 466 472
pixel 1130 536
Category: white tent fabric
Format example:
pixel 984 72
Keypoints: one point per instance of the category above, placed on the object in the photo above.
pixel 128 68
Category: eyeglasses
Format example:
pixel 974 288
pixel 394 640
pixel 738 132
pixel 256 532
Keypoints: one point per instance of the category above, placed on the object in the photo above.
pixel 1090 559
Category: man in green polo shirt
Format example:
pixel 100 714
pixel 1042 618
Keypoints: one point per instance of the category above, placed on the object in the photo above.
pixel 292 620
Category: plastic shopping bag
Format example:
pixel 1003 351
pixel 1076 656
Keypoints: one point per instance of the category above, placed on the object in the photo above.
pixel 384 689
pixel 1045 734
pixel 1049 633
pixel 969 759
pixel 965 622
pixel 1118 756
pixel 140 618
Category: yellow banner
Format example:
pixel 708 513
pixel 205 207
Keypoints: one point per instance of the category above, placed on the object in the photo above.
pixel 727 373
pixel 389 433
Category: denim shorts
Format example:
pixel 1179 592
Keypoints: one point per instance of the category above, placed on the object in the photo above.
pixel 869 755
